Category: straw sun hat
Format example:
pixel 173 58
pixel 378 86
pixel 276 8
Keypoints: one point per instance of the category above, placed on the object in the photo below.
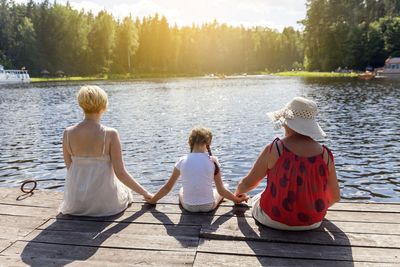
pixel 299 115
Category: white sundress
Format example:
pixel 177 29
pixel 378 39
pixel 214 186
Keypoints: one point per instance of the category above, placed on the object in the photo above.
pixel 92 188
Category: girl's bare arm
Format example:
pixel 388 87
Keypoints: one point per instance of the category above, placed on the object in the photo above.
pixel 166 188
pixel 225 192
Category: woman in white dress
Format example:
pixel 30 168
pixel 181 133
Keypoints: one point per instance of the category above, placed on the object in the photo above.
pixel 97 182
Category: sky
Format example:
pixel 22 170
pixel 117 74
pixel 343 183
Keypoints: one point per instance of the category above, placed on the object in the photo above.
pixel 275 14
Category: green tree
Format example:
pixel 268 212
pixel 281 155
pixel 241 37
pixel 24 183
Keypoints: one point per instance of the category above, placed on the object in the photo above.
pixel 126 44
pixel 101 40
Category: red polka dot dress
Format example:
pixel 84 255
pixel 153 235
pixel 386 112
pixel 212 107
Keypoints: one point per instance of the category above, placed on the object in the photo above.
pixel 296 193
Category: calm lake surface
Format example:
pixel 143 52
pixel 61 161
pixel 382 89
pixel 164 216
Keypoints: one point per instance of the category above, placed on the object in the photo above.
pixel 154 118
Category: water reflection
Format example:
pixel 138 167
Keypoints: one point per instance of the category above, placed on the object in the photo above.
pixel 154 118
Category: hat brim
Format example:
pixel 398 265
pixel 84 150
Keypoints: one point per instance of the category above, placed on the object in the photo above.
pixel 271 115
pixel 306 127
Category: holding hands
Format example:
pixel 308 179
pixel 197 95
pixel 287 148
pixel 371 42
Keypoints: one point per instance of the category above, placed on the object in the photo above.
pixel 148 196
pixel 240 198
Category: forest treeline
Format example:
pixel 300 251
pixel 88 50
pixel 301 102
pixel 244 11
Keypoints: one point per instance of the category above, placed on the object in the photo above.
pixel 51 36
pixel 350 33
pixel 337 33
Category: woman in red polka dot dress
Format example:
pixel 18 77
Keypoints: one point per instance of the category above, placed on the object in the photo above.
pixel 301 174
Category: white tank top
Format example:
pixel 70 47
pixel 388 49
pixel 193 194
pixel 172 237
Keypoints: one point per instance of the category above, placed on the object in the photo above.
pixel 91 187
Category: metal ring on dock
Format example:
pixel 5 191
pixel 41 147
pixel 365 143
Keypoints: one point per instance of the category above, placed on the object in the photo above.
pixel 28 182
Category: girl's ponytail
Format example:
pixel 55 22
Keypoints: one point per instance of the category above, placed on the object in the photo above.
pixel 215 164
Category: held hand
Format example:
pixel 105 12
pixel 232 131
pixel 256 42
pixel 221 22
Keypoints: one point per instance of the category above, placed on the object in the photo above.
pixel 240 198
pixel 238 194
pixel 147 197
pixel 151 201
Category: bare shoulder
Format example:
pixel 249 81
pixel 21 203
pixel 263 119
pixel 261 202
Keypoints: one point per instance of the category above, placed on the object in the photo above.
pixel 111 130
pixel 271 153
pixel 328 156
pixel 274 148
pixel 112 133
pixel 69 129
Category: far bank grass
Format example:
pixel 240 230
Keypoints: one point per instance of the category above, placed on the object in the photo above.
pixel 116 77
pixel 315 74
pixel 59 79
pixel 112 77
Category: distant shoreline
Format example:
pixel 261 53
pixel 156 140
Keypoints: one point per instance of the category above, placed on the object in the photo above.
pixel 181 75
pixel 315 74
pixel 113 77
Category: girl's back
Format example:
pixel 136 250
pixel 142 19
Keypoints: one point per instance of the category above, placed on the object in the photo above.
pixel 197 171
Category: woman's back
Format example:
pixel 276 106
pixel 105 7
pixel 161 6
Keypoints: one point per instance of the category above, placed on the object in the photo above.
pixel 302 181
pixel 91 187
pixel 88 139
pixel 297 183
pixel 97 181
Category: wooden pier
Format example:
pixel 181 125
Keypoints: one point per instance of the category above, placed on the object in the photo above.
pixel 33 233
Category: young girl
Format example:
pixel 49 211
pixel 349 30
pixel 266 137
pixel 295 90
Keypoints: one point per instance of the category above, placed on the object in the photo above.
pixel 198 170
pixel 302 181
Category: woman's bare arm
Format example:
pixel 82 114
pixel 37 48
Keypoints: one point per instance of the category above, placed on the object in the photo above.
pixel 225 192
pixel 333 184
pixel 256 174
pixel 119 167
pixel 66 154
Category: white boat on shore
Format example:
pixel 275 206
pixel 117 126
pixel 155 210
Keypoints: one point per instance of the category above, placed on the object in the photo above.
pixel 391 68
pixel 13 76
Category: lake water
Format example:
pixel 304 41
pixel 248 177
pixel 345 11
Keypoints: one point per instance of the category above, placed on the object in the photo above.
pixel 154 118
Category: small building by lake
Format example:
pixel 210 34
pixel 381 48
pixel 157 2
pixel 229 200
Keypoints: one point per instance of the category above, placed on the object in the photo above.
pixel 391 68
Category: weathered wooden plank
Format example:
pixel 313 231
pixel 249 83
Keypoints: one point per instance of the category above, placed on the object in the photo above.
pixel 243 231
pixel 177 209
pixel 15 227
pixel 350 216
pixel 13 233
pixel 126 226
pixel 42 198
pixel 20 221
pixel 243 210
pixel 41 254
pixel 151 217
pixel 208 259
pixel 47 198
pixel 238 210
pixel 366 207
pixel 121 235
pixel 157 217
pixel 4 243
pixel 27 211
pixel 337 226
pixel 300 251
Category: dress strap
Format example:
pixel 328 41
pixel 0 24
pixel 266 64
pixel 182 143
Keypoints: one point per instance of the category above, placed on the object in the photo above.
pixel 277 147
pixel 104 141
pixel 330 155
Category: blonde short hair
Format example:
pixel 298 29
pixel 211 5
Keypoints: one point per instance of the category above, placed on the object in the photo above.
pixel 92 99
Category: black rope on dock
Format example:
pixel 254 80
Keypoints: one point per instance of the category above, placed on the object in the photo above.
pixel 28 191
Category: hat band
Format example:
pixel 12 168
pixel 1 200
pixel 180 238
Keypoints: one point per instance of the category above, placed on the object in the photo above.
pixel 304 114
pixel 290 114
